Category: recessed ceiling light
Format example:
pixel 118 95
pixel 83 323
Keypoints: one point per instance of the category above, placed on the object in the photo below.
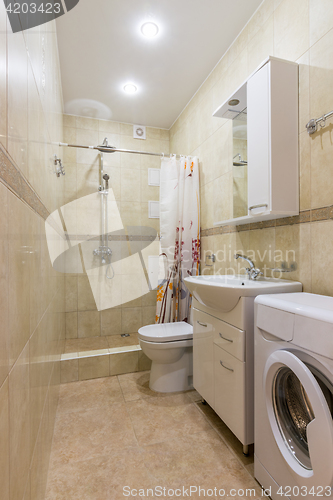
pixel 130 88
pixel 149 29
pixel 234 102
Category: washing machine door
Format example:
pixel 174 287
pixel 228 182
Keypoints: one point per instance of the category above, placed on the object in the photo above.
pixel 300 406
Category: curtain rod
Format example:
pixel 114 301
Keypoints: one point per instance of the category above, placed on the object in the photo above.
pixel 111 149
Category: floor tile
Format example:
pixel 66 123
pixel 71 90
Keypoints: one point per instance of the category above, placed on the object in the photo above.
pixel 88 344
pixel 228 437
pixel 89 394
pixel 160 419
pixel 200 459
pixel 115 432
pixel 83 435
pixel 101 478
pixel 119 341
pixel 136 386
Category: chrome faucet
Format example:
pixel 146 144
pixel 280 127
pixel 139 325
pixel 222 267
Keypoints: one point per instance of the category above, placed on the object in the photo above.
pixel 252 271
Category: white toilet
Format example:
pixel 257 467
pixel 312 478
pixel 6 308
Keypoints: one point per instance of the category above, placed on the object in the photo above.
pixel 170 347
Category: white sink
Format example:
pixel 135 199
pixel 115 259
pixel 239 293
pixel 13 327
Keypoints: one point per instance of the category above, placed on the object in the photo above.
pixel 223 292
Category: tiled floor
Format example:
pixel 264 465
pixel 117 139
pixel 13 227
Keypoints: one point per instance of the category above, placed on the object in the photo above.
pixel 115 432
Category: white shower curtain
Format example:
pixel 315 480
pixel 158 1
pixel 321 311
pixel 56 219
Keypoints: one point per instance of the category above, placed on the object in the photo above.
pixel 180 235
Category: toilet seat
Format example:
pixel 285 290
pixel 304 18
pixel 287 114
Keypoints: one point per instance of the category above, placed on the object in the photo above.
pixel 166 332
pixel 167 345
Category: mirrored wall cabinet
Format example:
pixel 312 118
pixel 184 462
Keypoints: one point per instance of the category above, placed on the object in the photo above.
pixel 264 114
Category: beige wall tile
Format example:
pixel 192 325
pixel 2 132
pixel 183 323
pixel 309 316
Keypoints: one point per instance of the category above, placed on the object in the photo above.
pixel 148 315
pixel 4 439
pixel 4 332
pixel 71 325
pixel 20 243
pixel 18 100
pixel 207 248
pixel 207 205
pixel 69 370
pixel 321 171
pixel 86 301
pixel 321 18
pixel 34 122
pixel 38 385
pixel 88 324
pixel 19 425
pixel 261 45
pixel 258 20
pixel 321 78
pixel 126 129
pixel 108 127
pixel 36 478
pixel 3 77
pixel 124 362
pixel 222 198
pixel 304 90
pixel 71 290
pixel 262 248
pixel 90 124
pixel 291 29
pixel 111 322
pixel 149 299
pixel 94 367
pixel 130 184
pixel 69 121
pixel 292 244
pixel 321 266
pixel 305 170
pixel 144 362
pixel 131 319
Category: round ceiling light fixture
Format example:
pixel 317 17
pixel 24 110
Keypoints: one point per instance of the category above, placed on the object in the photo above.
pixel 130 88
pixel 149 29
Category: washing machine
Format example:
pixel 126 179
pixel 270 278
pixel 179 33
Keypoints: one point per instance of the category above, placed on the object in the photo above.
pixel 294 395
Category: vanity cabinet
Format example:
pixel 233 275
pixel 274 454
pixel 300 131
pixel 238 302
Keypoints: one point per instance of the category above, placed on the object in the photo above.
pixel 223 364
pixel 269 100
pixel 203 355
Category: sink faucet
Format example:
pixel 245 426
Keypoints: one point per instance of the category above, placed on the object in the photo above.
pixel 252 271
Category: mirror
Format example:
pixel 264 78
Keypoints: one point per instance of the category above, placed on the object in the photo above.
pixel 239 168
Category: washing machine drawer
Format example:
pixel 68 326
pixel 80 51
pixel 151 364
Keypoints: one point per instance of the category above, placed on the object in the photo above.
pixel 231 339
pixel 229 375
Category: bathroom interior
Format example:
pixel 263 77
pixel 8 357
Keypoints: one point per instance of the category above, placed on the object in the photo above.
pixel 107 113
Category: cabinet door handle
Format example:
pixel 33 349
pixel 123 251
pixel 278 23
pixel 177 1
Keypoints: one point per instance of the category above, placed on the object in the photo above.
pixel 258 206
pixel 202 324
pixel 230 369
pixel 224 338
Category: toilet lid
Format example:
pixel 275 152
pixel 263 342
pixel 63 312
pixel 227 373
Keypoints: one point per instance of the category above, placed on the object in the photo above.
pixel 166 332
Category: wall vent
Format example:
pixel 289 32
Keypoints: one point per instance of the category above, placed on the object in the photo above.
pixel 139 132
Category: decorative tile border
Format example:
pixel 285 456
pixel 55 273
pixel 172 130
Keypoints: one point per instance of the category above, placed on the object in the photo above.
pixel 14 180
pixel 317 214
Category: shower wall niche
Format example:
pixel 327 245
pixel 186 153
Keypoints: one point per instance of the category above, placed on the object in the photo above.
pixel 87 328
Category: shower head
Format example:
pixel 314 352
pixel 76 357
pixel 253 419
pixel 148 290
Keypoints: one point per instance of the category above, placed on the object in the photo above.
pixel 105 149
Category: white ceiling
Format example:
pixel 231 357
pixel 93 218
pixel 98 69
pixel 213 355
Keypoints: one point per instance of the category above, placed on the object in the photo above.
pixel 101 49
